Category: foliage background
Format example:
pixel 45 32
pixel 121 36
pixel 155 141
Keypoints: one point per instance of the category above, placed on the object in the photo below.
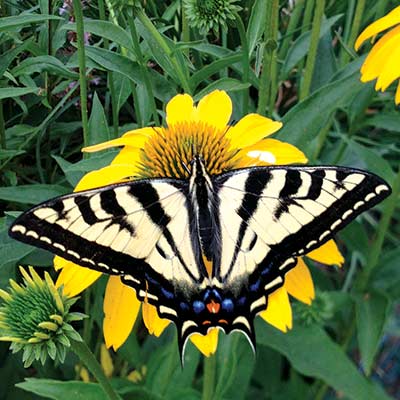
pixel 291 60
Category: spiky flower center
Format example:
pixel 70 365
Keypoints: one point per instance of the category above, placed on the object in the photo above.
pixel 35 318
pixel 170 151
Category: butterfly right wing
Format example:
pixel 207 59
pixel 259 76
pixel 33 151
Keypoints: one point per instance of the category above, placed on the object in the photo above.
pixel 139 230
pixel 269 216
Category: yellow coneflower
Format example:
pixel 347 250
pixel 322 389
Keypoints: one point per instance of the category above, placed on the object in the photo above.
pixel 161 152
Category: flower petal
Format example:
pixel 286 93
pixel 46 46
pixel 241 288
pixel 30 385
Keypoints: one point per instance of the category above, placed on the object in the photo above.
pixel 134 138
pixel 269 152
pixel 378 56
pixel 328 254
pixel 154 324
pixel 74 278
pixel 179 109
pixel 251 129
pixel 130 158
pixel 215 109
pixel 105 176
pixel 299 283
pixel 390 71
pixel 207 344
pixel 121 308
pixel 379 25
pixel 279 311
pixel 397 98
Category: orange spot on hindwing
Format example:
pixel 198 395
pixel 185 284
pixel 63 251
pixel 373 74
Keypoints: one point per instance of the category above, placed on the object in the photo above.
pixel 213 307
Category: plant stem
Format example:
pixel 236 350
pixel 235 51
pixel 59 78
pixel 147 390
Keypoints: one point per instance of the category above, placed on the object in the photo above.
pixel 269 56
pixel 86 356
pixel 312 53
pixel 185 29
pixel 376 249
pixel 210 367
pixel 3 144
pixel 145 20
pixel 110 77
pixel 293 22
pixel 245 61
pixel 82 68
pixel 355 27
pixel 143 68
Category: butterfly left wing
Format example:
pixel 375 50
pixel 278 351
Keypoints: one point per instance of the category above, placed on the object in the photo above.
pixel 269 216
pixel 139 230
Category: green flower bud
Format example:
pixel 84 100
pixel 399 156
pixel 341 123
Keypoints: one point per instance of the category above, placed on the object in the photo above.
pixel 320 311
pixel 210 14
pixel 35 317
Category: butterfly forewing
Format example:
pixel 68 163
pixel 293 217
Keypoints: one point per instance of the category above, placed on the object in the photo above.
pixel 270 215
pixel 139 229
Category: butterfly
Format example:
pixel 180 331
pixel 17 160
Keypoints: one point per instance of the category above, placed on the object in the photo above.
pixel 208 250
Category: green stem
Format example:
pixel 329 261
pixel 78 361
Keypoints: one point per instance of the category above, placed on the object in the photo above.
pixel 293 22
pixel 82 68
pixel 3 144
pixel 312 53
pixel 376 249
pixel 142 63
pixel 185 29
pixel 209 377
pixel 145 20
pixel 110 77
pixel 245 61
pixel 86 356
pixel 355 27
pixel 270 36
pixel 305 26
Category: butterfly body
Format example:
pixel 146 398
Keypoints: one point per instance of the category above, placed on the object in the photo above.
pixel 208 250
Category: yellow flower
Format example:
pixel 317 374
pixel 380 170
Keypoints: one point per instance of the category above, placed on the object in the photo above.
pixel 163 152
pixel 383 62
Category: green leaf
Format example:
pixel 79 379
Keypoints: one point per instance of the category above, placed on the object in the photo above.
pixel 257 24
pixel 106 30
pixel 161 57
pixel 386 277
pixel 387 121
pixel 43 63
pixel 74 172
pixel 8 57
pixel 31 194
pixel 8 92
pixel 4 154
pixel 227 84
pixel 59 390
pixel 300 47
pixel 235 362
pixel 122 89
pixel 211 69
pixel 98 125
pixel 108 60
pixel 371 313
pixel 371 160
pixel 8 23
pixel 313 353
pixel 305 120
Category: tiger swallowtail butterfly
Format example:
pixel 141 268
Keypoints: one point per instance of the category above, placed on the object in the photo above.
pixel 158 235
